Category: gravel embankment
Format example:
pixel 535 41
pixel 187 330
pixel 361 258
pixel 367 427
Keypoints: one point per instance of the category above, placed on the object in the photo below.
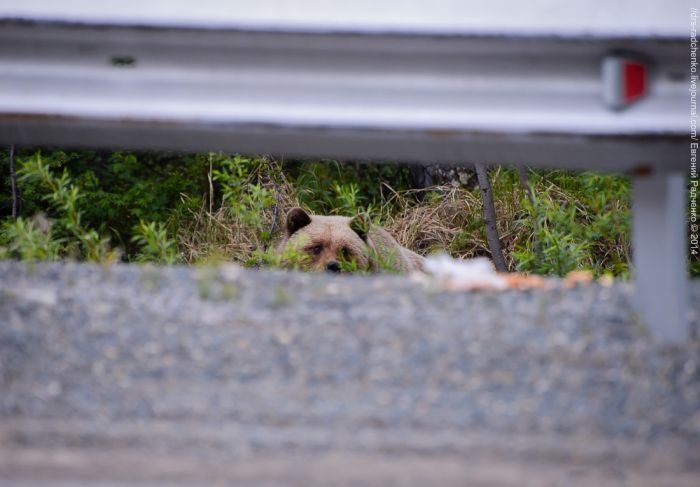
pixel 130 374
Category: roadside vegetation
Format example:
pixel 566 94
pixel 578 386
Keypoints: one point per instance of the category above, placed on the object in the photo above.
pixel 172 208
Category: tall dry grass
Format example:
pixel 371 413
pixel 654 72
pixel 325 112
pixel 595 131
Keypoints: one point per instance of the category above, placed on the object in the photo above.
pixel 579 222
pixel 449 219
pixel 442 218
pixel 215 233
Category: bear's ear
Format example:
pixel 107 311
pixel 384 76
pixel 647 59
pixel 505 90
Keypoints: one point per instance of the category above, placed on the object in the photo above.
pixel 296 219
pixel 360 225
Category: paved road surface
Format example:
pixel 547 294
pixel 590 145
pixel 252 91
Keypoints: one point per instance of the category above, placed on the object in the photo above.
pixel 143 376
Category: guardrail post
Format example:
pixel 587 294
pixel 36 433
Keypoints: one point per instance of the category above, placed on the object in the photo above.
pixel 658 246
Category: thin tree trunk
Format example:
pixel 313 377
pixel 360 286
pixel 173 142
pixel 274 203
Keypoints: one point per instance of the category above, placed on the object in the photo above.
pixel 13 182
pixel 490 218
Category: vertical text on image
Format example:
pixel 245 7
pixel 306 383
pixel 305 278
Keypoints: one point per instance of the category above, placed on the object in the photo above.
pixel 694 236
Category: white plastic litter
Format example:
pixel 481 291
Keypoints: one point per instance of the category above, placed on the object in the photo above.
pixel 476 273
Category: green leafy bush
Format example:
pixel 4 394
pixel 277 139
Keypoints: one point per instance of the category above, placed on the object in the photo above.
pixel 245 193
pixel 22 238
pixel 65 233
pixel 170 208
pixel 155 244
pixel 577 221
pixel 332 188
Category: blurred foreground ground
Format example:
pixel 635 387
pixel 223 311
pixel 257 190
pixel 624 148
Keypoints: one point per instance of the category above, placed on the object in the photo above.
pixel 130 375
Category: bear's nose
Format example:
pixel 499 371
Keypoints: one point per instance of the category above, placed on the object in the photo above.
pixel 333 267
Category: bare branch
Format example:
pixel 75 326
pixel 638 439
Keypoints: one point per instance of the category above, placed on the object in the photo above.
pixel 490 218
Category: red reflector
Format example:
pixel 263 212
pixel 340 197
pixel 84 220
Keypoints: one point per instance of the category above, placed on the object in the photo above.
pixel 624 79
pixel 634 80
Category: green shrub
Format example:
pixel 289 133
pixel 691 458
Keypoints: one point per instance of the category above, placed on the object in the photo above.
pixel 65 233
pixel 155 245
pixel 329 187
pixel 222 207
pixel 66 236
pixel 120 189
pixel 247 192
pixel 24 240
pixel 577 221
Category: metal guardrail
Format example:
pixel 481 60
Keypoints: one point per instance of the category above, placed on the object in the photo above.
pixel 411 82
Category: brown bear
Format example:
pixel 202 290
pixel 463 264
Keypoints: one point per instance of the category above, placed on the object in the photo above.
pixel 338 243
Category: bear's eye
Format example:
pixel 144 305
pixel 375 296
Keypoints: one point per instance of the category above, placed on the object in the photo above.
pixel 316 249
pixel 345 253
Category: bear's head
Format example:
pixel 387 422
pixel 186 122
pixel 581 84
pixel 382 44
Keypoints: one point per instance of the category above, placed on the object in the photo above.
pixel 328 243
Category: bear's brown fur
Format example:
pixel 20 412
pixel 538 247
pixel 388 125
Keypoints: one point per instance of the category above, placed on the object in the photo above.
pixel 335 243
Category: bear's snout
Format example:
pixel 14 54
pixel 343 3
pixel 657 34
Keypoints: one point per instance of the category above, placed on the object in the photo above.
pixel 333 267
